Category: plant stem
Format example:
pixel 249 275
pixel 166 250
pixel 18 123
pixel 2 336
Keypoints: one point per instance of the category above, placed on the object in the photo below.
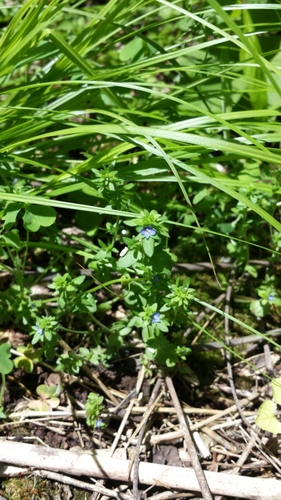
pixel 2 390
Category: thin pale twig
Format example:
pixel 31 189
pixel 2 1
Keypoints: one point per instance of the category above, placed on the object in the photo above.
pixel 209 346
pixel 82 484
pixel 227 352
pixel 204 487
pixel 121 427
pixel 151 403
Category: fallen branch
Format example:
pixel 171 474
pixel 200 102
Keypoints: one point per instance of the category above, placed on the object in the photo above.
pixel 105 467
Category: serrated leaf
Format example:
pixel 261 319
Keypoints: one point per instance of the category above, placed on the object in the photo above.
pixel 162 327
pixel 266 419
pixel 148 246
pixel 129 259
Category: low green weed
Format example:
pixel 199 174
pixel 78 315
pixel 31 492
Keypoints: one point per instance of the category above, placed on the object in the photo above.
pixel 266 418
pixel 136 136
pixel 93 408
pixel 6 366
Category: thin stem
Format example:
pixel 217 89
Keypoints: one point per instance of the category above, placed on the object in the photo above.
pixel 25 252
pixel 2 390
pixel 237 321
pixel 122 280
pixel 98 323
pixel 115 231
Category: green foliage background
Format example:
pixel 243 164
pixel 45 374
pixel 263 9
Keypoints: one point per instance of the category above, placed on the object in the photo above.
pixel 123 115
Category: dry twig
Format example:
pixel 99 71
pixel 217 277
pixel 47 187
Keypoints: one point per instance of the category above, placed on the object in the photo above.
pixel 150 406
pixel 204 487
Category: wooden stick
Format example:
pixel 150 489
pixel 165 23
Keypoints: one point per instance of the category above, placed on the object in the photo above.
pixel 102 466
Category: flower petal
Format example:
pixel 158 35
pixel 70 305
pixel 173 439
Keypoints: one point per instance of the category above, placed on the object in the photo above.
pixel 148 231
pixel 155 318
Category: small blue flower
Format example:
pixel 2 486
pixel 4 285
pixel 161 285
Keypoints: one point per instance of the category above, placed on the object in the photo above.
pixel 155 318
pixel 40 331
pixel 99 424
pixel 270 298
pixel 148 231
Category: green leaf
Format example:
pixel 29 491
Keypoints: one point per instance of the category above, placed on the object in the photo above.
pixel 10 214
pixel 79 280
pixel 266 419
pixel 148 246
pixel 93 407
pixel 31 222
pixel 6 365
pixel 161 262
pixel 12 238
pixel 277 301
pixel 132 49
pixel 276 389
pixel 36 216
pixel 200 195
pixel 129 259
pixel 259 309
pixel 253 72
pixel 25 363
pixel 61 302
pixel 162 327
pixel 251 270
pixel 39 405
pixel 162 350
pixel 41 201
pixel 2 414
pixel 46 392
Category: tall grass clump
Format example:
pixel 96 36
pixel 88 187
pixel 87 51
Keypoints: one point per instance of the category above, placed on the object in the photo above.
pixel 134 137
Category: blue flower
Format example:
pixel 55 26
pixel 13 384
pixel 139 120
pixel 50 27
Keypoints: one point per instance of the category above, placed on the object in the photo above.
pixel 99 424
pixel 40 331
pixel 155 318
pixel 270 297
pixel 148 231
